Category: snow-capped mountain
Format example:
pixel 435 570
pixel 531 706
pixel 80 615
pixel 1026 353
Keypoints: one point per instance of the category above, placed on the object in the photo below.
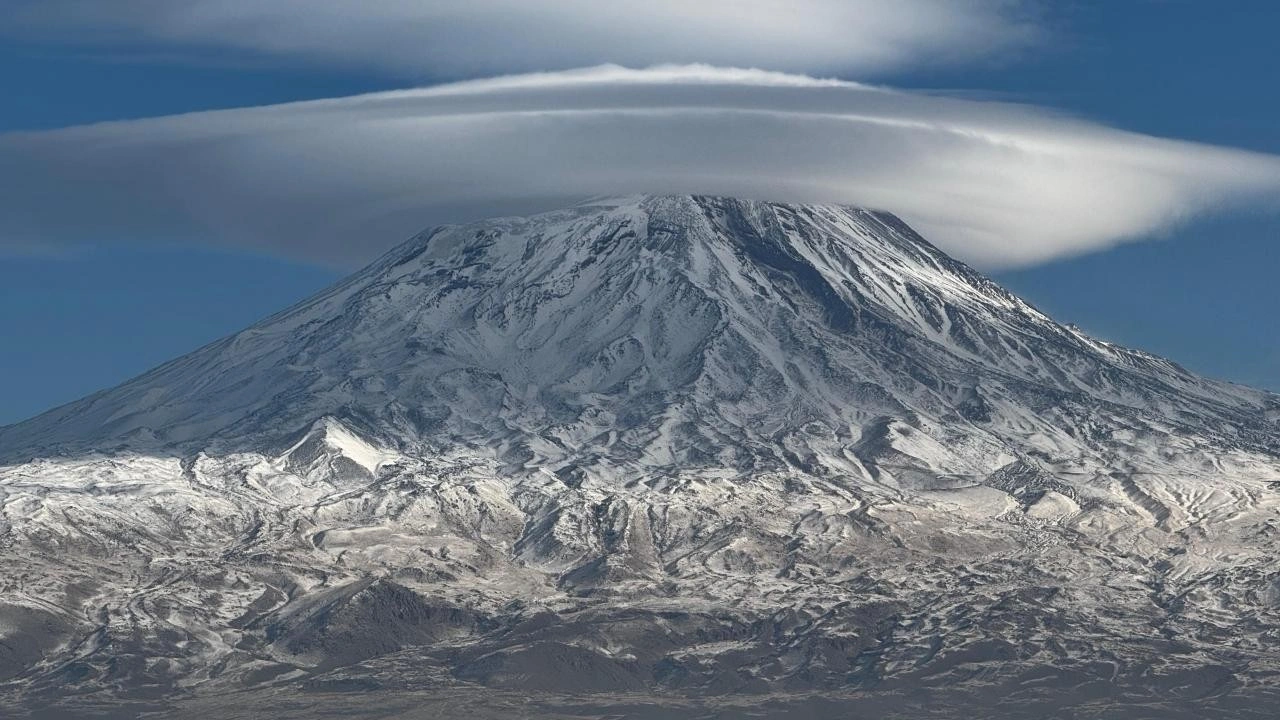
pixel 683 449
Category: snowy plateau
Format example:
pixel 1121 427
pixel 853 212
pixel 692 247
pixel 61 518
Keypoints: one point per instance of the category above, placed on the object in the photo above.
pixel 649 457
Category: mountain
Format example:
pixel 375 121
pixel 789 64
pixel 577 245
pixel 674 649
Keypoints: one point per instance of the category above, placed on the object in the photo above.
pixel 650 457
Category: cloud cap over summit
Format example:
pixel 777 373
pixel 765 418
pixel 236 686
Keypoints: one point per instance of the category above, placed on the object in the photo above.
pixel 339 180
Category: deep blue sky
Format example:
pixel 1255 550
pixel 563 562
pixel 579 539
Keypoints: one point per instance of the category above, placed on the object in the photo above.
pixel 1204 295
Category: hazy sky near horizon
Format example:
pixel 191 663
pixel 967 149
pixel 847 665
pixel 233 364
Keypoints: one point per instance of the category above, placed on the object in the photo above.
pixel 1115 163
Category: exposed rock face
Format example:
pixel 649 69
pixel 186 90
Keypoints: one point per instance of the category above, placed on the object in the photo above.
pixel 650 456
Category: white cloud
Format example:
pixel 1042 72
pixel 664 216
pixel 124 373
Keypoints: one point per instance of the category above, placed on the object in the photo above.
pixel 456 38
pixel 339 180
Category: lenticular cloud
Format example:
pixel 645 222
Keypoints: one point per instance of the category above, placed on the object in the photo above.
pixel 339 180
pixel 478 37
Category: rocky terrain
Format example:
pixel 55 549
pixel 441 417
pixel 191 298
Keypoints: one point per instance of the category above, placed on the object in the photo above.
pixel 653 457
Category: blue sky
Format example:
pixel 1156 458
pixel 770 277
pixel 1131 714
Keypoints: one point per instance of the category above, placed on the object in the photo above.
pixel 75 319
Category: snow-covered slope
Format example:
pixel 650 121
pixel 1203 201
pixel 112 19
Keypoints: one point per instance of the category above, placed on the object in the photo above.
pixel 677 446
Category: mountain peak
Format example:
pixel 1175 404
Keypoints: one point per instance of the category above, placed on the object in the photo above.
pixel 696 444
pixel 651 329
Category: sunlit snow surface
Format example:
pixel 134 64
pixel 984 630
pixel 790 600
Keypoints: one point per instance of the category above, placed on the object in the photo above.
pixel 649 457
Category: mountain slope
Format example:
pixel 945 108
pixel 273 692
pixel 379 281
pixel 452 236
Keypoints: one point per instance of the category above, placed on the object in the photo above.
pixel 671 445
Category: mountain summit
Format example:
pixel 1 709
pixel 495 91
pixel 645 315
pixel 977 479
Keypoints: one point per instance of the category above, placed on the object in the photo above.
pixel 668 446
pixel 653 331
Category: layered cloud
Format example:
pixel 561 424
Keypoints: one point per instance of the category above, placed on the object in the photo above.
pixel 454 38
pixel 339 180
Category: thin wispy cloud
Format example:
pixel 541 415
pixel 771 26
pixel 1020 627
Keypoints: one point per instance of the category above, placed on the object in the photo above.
pixel 339 180
pixel 452 38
